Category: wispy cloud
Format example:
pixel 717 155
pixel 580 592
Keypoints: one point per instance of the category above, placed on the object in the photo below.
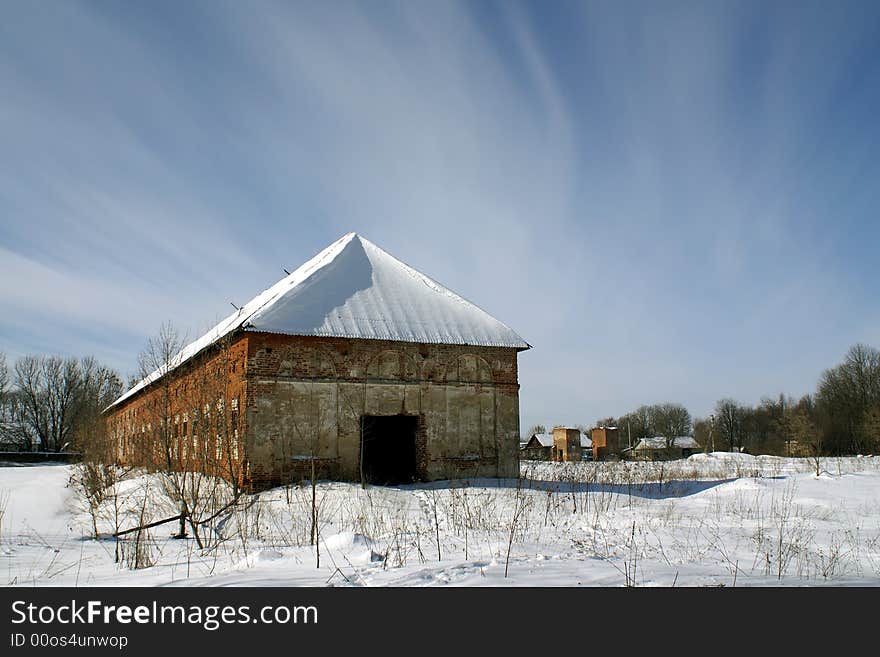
pixel 669 201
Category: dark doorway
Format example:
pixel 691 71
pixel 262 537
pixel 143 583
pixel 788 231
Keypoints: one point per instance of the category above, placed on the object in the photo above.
pixel 388 448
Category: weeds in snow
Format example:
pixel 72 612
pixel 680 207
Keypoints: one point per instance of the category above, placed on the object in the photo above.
pixel 628 515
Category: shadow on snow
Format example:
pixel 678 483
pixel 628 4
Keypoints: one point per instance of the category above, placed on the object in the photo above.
pixel 651 490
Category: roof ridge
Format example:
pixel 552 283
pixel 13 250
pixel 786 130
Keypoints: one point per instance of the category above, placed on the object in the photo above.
pixel 361 281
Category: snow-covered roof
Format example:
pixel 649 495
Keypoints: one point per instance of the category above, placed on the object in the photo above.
pixel 586 441
pixel 354 289
pixel 545 439
pixel 659 442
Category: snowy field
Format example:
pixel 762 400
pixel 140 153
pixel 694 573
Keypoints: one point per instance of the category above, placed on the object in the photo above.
pixel 710 520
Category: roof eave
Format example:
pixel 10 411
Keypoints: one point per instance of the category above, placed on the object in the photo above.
pixel 253 329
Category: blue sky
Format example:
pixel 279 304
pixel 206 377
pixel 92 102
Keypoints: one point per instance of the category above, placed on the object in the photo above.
pixel 672 201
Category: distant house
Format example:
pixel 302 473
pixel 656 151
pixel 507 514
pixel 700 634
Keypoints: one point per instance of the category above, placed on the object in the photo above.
pixel 586 446
pixel 605 442
pixel 566 444
pixel 542 446
pixel 656 449
pixel 538 447
pixel 15 434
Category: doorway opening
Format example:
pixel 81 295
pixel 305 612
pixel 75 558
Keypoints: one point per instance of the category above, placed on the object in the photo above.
pixel 388 449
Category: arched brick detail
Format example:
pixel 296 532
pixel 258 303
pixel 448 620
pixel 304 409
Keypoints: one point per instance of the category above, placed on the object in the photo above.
pixel 308 361
pixel 469 368
pixel 433 370
pixel 392 364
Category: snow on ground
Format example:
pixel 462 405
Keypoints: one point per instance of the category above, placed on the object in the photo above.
pixel 710 520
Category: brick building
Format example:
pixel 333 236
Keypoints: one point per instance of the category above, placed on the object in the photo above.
pixel 542 446
pixel 606 443
pixel 538 447
pixel 566 444
pixel 355 365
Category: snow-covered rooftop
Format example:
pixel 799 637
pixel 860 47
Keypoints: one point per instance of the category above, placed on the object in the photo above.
pixel 354 289
pixel 545 439
pixel 659 442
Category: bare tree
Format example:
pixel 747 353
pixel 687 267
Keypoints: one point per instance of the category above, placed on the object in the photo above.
pixel 638 423
pixel 49 387
pixel 156 361
pixel 211 438
pixel 871 427
pixel 728 422
pixel 703 432
pixel 229 425
pixel 667 420
pixel 538 428
pixel 99 387
pixel 670 421
pixel 191 430
pixel 97 475
pixel 766 427
pixel 800 427
pixel 7 435
pixel 4 376
pixel 845 395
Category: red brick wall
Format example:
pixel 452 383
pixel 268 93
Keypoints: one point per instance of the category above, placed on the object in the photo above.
pixel 249 366
pixel 425 373
pixel 348 359
pixel 193 436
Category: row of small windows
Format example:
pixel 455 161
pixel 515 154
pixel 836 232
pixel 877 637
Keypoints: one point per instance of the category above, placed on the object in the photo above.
pixel 183 448
pixel 182 427
pixel 128 419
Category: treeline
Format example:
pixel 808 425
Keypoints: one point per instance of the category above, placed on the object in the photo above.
pixel 52 404
pixel 841 417
pixel 666 420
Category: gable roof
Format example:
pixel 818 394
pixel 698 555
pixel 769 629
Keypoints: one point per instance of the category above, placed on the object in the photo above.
pixel 546 440
pixel 659 442
pixel 543 439
pixel 354 289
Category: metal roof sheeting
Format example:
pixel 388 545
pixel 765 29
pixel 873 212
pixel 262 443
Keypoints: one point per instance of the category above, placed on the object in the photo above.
pixel 354 289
